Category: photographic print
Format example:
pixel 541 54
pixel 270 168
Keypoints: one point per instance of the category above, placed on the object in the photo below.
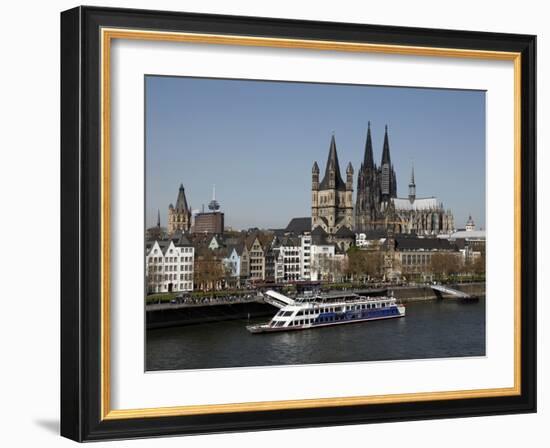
pixel 247 201
pixel 294 223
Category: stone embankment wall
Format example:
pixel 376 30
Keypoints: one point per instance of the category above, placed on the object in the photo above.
pixel 171 316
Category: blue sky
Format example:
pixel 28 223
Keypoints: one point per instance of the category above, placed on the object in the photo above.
pixel 257 141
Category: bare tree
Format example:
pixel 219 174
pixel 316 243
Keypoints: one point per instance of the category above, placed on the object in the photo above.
pixel 444 264
pixel 209 271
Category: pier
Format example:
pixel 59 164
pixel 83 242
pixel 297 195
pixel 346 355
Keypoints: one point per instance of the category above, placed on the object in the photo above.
pixel 444 289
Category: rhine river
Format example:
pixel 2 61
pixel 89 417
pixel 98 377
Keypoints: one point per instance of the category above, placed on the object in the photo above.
pixel 430 329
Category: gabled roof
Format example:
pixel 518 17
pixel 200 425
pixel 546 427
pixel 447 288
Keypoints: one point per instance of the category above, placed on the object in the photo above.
pixel 290 241
pixel 299 225
pixel 163 245
pixel 251 239
pixel 318 235
pixel 319 231
pixel 332 163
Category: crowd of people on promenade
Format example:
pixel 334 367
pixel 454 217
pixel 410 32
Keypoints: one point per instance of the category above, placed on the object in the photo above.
pixel 206 300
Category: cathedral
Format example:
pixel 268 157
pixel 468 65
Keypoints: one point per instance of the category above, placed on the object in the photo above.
pixel 179 217
pixel 332 202
pixel 378 207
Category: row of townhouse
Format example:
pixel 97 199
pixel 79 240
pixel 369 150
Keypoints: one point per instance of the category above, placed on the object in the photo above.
pixel 281 258
pixel 186 262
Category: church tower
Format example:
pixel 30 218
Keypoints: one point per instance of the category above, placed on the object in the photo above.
pixel 179 217
pixel 332 204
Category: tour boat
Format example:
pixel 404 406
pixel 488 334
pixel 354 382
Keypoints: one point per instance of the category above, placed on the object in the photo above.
pixel 323 310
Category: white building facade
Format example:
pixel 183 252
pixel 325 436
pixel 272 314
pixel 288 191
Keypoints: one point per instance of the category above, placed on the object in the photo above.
pixel 169 267
pixel 305 256
pixel 288 260
pixel 232 263
pixel 325 262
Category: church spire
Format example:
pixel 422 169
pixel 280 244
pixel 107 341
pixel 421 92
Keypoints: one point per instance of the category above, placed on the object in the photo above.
pixel 412 187
pixel 158 218
pixel 386 149
pixel 332 169
pixel 181 202
pixel 369 158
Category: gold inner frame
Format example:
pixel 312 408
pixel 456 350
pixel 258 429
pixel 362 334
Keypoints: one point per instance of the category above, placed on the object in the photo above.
pixel 107 35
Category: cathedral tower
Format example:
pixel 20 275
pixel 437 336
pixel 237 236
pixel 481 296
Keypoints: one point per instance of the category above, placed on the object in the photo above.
pixel 179 217
pixel 368 190
pixel 332 205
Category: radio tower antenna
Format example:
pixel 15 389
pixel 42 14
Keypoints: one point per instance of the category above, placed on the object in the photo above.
pixel 214 205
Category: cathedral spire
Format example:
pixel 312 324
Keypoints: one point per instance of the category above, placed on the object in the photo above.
pixel 368 162
pixel 386 149
pixel 332 169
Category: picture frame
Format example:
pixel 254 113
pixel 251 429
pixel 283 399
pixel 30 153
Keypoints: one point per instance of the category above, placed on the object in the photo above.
pixel 86 211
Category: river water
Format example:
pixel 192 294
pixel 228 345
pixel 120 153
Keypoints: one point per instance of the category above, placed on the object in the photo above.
pixel 430 329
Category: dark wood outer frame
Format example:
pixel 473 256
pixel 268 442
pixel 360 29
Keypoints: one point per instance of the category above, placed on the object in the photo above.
pixel 81 224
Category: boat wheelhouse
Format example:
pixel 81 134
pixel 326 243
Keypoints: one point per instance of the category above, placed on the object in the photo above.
pixel 322 310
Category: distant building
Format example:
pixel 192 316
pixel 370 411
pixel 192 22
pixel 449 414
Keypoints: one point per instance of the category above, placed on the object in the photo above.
pixel 332 205
pixel 470 225
pixel 472 242
pixel 179 217
pixel 287 260
pixel 209 223
pixel 169 266
pixel 414 255
pixel 256 257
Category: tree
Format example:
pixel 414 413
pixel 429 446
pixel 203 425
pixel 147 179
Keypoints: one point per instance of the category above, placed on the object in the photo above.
pixel 209 271
pixel 478 264
pixel 444 264
pixel 364 264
